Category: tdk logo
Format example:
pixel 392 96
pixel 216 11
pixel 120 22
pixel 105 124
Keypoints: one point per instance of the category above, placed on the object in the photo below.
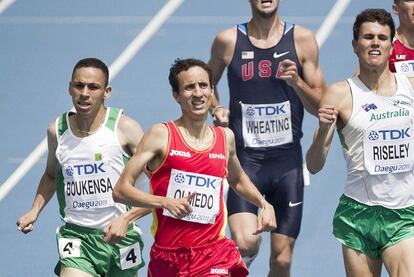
pixel 368 107
pixel 389 134
pixel 194 180
pixel 180 153
pixel 85 169
pixel 266 110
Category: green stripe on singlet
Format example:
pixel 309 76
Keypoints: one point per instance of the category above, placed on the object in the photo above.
pixel 113 116
pixel 62 124
pixel 60 192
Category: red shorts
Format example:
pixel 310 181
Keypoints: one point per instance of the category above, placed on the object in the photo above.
pixel 219 258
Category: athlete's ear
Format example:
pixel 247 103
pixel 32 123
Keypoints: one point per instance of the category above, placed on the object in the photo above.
pixel 354 44
pixel 70 88
pixel 176 96
pixel 108 92
pixel 395 9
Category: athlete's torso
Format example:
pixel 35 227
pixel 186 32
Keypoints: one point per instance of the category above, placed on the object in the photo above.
pixel 265 112
pixel 90 168
pixel 185 170
pixel 401 59
pixel 378 145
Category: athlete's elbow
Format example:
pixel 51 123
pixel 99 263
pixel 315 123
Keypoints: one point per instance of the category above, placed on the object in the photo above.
pixel 313 165
pixel 117 194
pixel 313 170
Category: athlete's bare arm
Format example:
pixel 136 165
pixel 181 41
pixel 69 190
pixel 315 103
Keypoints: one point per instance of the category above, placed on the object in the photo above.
pixel 310 88
pixel 334 112
pixel 220 57
pixel 240 182
pixel 47 185
pixel 130 134
pixel 150 152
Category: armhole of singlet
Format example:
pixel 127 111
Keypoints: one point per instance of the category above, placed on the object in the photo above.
pixel 167 150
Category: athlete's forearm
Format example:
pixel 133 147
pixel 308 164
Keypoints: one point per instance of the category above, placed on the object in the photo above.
pixel 45 191
pixel 318 151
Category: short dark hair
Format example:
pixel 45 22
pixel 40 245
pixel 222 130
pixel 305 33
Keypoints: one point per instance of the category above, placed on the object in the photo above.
pixel 373 15
pixel 180 65
pixel 92 62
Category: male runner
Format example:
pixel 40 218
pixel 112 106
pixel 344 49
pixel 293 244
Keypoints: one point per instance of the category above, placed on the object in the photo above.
pixel 188 158
pixel 374 114
pixel 401 59
pixel 273 73
pixel 88 149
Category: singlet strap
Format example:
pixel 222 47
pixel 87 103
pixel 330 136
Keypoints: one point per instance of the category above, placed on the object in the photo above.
pixel 62 124
pixel 113 116
pixel 242 27
pixel 288 27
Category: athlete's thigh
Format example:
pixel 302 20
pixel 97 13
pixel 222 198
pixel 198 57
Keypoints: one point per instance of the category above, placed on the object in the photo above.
pixel 242 225
pixel 73 272
pixel 287 200
pixel 255 170
pixel 358 264
pixel 399 258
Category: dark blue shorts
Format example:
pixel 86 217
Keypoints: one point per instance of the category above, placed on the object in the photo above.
pixel 280 180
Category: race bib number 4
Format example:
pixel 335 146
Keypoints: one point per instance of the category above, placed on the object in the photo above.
pixel 69 248
pixel 388 150
pixel 266 125
pixel 206 204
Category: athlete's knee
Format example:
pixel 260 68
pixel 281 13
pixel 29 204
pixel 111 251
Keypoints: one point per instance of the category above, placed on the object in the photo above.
pixel 280 262
pixel 248 245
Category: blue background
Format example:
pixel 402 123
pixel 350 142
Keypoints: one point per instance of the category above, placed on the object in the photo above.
pixel 42 40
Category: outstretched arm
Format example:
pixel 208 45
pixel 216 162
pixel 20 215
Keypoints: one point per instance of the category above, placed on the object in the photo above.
pixel 240 182
pixel 46 188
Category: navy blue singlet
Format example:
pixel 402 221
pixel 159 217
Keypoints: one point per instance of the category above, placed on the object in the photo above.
pixel 251 79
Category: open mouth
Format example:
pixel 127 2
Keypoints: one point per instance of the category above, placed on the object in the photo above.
pixel 374 53
pixel 83 105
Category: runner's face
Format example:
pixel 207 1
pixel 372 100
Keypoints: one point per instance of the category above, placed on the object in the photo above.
pixel 405 11
pixel 264 8
pixel 374 44
pixel 88 89
pixel 195 91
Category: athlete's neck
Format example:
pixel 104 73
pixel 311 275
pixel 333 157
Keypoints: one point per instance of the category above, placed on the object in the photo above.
pixel 88 124
pixel 382 82
pixel 196 133
pixel 268 30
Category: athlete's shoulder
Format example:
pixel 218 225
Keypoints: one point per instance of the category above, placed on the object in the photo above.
pixel 126 123
pixel 339 87
pixel 227 37
pixel 51 129
pixel 303 34
pixel 159 129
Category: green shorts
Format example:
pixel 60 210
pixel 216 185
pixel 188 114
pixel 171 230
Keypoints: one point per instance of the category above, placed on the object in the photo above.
pixel 371 229
pixel 84 249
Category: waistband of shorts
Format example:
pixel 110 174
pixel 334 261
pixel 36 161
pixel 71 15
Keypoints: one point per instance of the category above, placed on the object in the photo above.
pixel 89 230
pixel 187 249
